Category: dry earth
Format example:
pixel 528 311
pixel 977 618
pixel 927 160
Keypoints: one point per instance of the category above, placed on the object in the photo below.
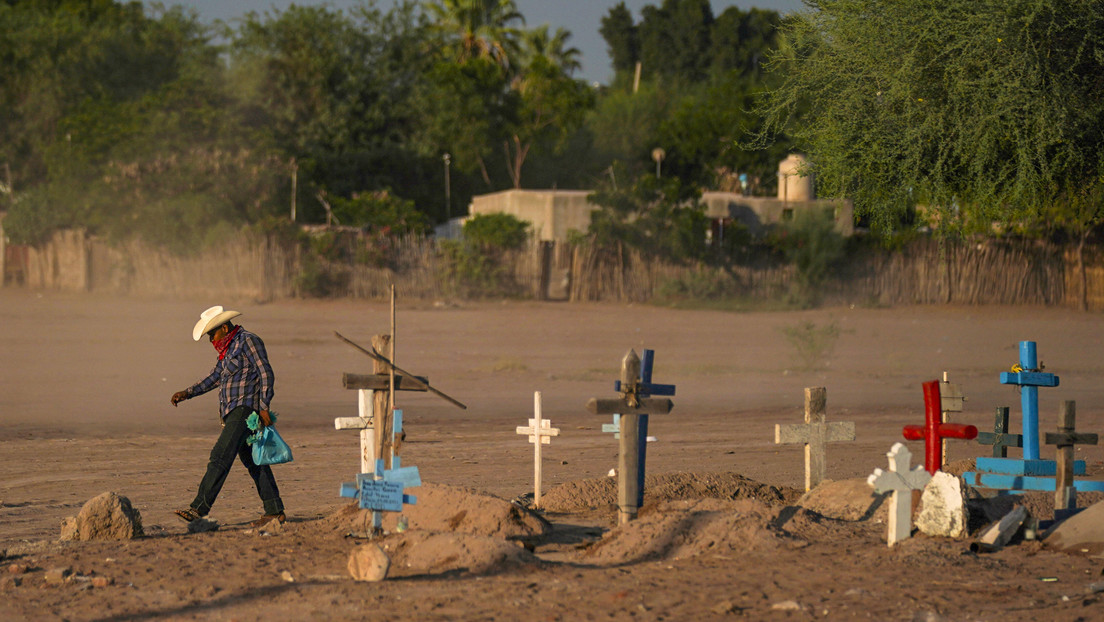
pixel 84 409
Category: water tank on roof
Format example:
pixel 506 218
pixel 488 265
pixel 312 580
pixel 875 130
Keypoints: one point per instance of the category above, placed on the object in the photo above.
pixel 792 185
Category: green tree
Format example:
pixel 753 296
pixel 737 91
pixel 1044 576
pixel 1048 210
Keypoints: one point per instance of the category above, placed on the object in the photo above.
pixel 988 110
pixel 550 105
pixel 622 38
pixel 478 28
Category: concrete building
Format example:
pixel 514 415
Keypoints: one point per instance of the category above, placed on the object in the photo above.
pixel 552 213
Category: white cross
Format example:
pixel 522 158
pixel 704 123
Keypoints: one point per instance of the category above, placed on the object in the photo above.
pixel 540 432
pixel 364 423
pixel 901 480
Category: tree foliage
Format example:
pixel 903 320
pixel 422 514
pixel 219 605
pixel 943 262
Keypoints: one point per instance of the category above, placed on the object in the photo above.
pixel 989 110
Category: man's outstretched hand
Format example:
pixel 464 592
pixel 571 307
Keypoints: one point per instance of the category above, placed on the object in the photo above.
pixel 178 397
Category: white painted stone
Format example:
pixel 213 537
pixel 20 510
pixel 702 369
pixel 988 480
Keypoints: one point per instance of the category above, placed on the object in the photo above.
pixel 943 511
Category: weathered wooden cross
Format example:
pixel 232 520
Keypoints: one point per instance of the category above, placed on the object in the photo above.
pixel 901 479
pixel 540 432
pixel 951 400
pixel 1000 438
pixel 1065 496
pixel 815 434
pixel 376 438
pixel 634 406
pixel 934 430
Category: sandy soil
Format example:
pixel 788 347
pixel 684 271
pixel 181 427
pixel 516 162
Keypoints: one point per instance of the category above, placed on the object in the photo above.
pixel 84 409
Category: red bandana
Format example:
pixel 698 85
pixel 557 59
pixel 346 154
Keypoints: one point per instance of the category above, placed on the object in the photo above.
pixel 222 345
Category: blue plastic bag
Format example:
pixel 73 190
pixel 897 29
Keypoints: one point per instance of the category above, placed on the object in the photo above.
pixel 269 447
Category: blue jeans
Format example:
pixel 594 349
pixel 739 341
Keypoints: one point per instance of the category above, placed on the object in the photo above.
pixel 229 444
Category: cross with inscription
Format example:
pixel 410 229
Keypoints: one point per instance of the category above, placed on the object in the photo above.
pixel 383 489
pixel 1000 438
pixel 934 430
pixel 540 432
pixel 901 479
pixel 815 434
pixel 1065 495
pixel 634 405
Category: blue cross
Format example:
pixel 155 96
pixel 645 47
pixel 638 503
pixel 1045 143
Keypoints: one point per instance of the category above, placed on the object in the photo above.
pixel 383 490
pixel 1029 379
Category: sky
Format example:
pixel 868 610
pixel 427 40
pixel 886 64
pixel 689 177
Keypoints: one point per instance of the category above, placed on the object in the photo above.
pixel 581 17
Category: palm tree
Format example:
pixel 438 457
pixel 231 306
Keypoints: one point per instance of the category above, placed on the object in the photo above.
pixel 482 27
pixel 538 42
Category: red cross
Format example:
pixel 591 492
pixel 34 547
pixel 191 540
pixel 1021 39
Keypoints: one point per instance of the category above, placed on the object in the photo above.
pixel 934 430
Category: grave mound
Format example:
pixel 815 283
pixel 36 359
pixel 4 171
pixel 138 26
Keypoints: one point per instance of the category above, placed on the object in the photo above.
pixel 685 528
pixel 848 499
pixel 601 493
pixel 449 509
pixel 427 552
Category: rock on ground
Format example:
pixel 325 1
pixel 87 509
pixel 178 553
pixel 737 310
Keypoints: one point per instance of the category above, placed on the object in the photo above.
pixel 1081 533
pixel 424 552
pixel 368 562
pixel 109 516
pixel 943 509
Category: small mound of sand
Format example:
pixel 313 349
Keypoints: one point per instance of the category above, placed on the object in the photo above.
pixel 601 492
pixel 848 499
pixel 688 528
pixel 423 552
pixel 449 509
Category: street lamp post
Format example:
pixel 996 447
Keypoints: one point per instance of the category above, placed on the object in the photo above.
pixel 448 191
pixel 658 154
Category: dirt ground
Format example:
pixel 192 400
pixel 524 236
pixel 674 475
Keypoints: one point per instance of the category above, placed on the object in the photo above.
pixel 84 409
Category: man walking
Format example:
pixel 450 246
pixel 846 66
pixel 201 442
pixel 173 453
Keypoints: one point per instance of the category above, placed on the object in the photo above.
pixel 245 383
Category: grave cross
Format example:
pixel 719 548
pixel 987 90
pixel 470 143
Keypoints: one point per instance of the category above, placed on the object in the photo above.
pixel 934 430
pixel 901 479
pixel 999 438
pixel 383 489
pixel 540 432
pixel 814 434
pixel 951 400
pixel 1029 378
pixel 634 406
pixel 1065 497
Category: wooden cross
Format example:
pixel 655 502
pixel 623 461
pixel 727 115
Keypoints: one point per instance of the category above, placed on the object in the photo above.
pixel 815 434
pixel 951 400
pixel 901 479
pixel 540 432
pixel 934 430
pixel 1029 378
pixel 634 406
pixel 999 438
pixel 1065 497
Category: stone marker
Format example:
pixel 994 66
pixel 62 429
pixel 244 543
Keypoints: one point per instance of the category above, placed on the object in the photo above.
pixel 108 516
pixel 815 434
pixel 368 562
pixel 943 511
pixel 900 480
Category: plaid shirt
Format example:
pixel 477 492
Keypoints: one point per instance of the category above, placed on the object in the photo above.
pixel 243 376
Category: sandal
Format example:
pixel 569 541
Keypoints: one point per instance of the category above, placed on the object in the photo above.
pixel 188 515
pixel 268 518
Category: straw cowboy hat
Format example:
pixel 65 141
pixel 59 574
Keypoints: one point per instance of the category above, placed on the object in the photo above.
pixel 210 319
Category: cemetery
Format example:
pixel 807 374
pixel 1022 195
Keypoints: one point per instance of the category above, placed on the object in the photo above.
pixel 591 462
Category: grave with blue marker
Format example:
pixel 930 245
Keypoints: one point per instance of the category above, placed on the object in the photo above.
pixel 384 490
pixel 632 409
pixel 1030 472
